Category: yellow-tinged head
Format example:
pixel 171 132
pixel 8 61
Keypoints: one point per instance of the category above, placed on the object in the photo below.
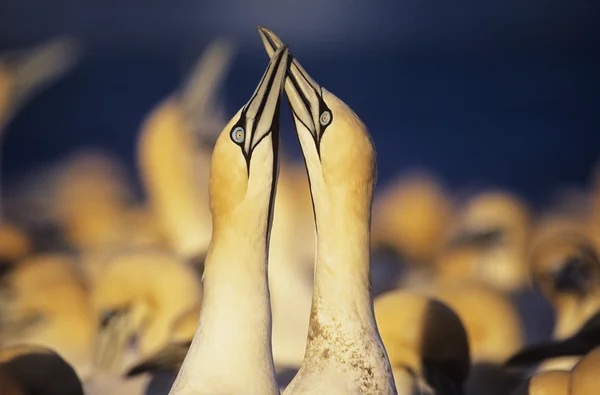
pixel 244 163
pixel 337 147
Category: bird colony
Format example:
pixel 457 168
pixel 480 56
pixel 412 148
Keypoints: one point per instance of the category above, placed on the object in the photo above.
pixel 245 272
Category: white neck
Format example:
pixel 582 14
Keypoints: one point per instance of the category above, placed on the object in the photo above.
pixel 343 339
pixel 231 350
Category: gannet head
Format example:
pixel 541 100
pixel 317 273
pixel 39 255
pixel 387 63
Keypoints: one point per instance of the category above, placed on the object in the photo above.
pixel 565 264
pixel 493 217
pixel 34 369
pixel 244 163
pixel 336 145
pixel 488 243
pixel 552 382
pixel 140 294
pixel 565 267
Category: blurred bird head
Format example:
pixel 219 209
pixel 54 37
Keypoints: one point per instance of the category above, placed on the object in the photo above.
pixel 425 340
pixel 551 382
pixel 492 323
pixel 35 369
pixel 43 301
pixel 411 215
pixel 181 131
pixel 488 243
pixel 140 295
pixel 565 268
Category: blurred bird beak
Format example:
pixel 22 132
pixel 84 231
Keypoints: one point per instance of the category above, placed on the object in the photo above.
pixel 112 339
pixel 481 239
pixel 31 70
pixel 199 97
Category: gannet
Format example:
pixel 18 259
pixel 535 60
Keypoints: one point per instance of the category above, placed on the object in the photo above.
pixel 493 230
pixel 565 268
pixel 140 293
pixel 84 202
pixel 426 343
pixel 170 357
pixel 231 350
pixel 492 323
pixel 89 198
pixel 181 131
pixel 29 369
pixel 585 379
pixel 410 216
pixel 494 330
pixel 551 382
pixel 24 73
pixel 43 301
pixel 344 352
pixel 14 244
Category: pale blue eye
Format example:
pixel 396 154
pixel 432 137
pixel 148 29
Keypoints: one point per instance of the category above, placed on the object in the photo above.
pixel 325 118
pixel 238 134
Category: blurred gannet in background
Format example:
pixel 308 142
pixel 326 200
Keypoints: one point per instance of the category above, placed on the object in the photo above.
pixel 582 379
pixel 565 268
pixel 43 301
pixel 231 350
pixel 180 132
pixel 551 382
pixel 14 245
pixel 170 358
pixel 594 208
pixel 410 216
pixel 426 343
pixel 494 331
pixel 91 198
pixel 29 370
pixel 492 323
pixel 141 293
pixel 488 243
pixel 585 379
pixel 344 352
pixel 83 203
pixel 23 74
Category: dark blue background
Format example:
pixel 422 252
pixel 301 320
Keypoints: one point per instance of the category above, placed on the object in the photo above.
pixel 480 93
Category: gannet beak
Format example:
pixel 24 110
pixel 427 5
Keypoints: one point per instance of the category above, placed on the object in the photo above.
pixel 199 96
pixel 111 340
pixel 33 69
pixel 259 118
pixel 304 94
pixel 483 238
